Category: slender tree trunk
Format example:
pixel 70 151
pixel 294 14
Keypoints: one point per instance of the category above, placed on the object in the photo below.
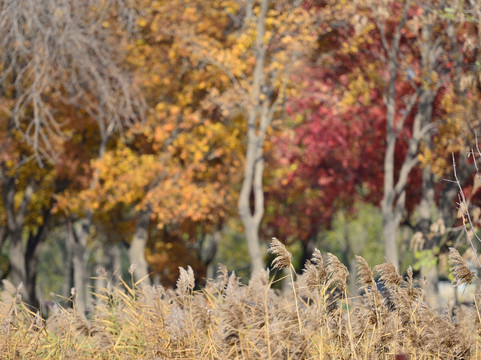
pixel 427 204
pixel 252 238
pixel 79 239
pixel 100 277
pixel 258 112
pixel 425 211
pixel 252 219
pixel 430 52
pixel 389 231
pixel 393 203
pixel 68 274
pixel 137 248
pixel 389 215
pixel 81 235
pixel 348 255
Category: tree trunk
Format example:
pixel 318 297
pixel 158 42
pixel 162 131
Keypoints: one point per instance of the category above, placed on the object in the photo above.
pixel 258 120
pixel 100 271
pixel 209 254
pixel 389 220
pixel 137 248
pixel 4 268
pixel 15 219
pixel 31 260
pixel 3 237
pixel 252 238
pixel 308 247
pixel 425 209
pixel 114 266
pixel 348 256
pixel 393 203
pixel 427 204
pixel 81 235
pixel 17 259
pixel 389 231
pixel 252 219
pixel 68 274
pixel 79 239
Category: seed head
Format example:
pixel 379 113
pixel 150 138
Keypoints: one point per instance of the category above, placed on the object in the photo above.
pixel 364 273
pixel 462 273
pixel 283 257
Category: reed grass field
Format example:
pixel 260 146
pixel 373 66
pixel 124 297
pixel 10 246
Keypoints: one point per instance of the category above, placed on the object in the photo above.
pixel 313 317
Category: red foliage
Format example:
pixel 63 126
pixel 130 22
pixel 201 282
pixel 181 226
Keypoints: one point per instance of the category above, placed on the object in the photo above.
pixel 335 155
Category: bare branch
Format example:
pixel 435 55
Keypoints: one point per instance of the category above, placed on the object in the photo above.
pixel 464 208
pixel 60 49
pixel 409 106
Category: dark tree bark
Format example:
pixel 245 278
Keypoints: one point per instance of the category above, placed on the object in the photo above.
pixel 208 254
pixel 31 259
pixel 15 224
pixel 308 247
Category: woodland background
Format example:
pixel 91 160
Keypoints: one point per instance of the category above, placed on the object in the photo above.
pixel 189 132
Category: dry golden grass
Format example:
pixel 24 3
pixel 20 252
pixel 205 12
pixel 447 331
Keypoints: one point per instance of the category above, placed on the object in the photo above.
pixel 315 319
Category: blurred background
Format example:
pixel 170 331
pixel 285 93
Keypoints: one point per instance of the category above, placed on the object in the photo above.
pixel 138 136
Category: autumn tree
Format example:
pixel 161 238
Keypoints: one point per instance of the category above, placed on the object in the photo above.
pixel 172 175
pixel 413 48
pixel 334 153
pixel 264 48
pixel 455 134
pixel 26 197
pixel 329 159
pixel 61 54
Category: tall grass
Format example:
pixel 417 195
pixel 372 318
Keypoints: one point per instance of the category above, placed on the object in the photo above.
pixel 315 319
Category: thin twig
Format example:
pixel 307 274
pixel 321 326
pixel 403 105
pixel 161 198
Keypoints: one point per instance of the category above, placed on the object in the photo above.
pixel 465 213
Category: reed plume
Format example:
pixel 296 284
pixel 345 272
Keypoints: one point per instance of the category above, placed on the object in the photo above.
pixel 337 271
pixel 460 269
pixel 283 257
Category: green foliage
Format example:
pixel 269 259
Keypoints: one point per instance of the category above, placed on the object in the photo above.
pixel 233 252
pixel 360 232
pixel 425 259
pixel 51 267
